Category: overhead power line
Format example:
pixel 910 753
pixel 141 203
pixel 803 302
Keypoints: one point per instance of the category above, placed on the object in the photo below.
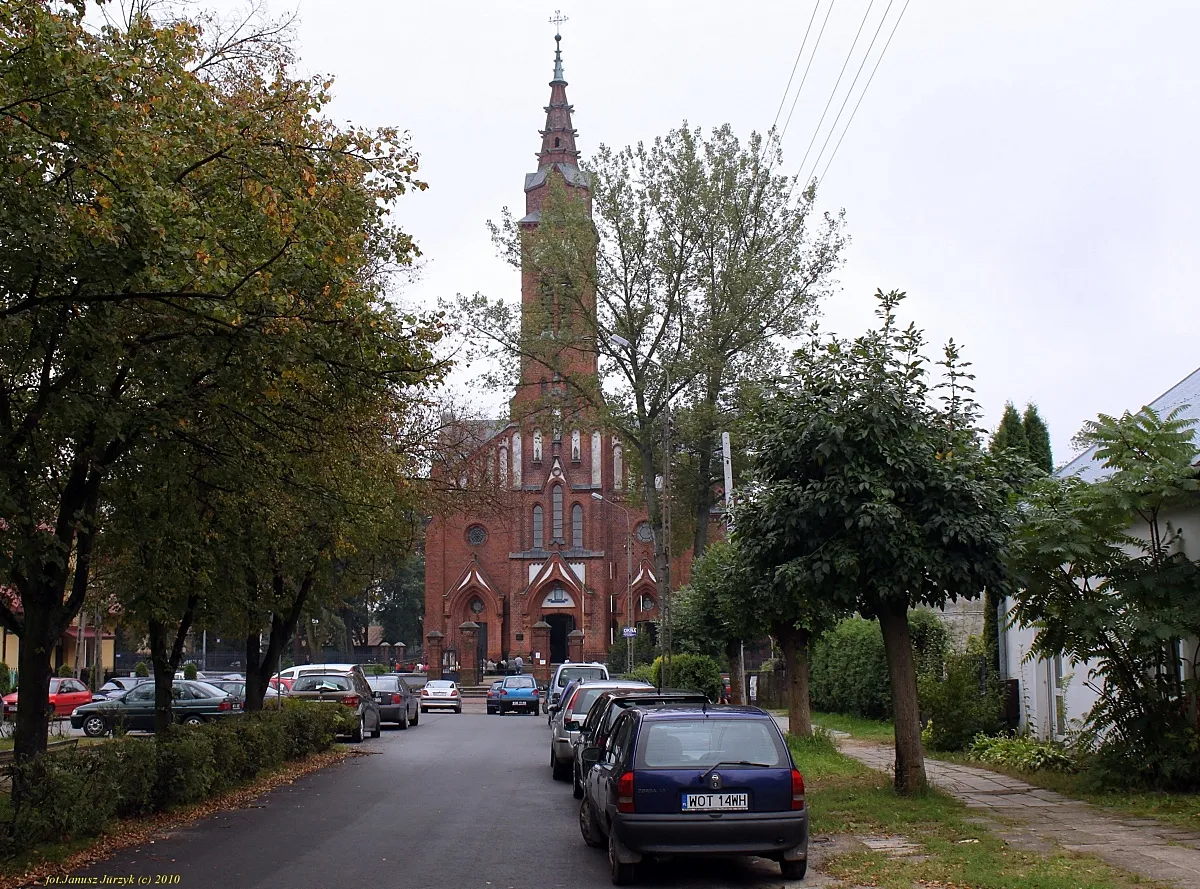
pixel 850 91
pixel 808 67
pixel 836 84
pixel 866 87
pixel 796 64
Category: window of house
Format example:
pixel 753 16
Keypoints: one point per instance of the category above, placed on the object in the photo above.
pixel 538 541
pixel 577 526
pixel 556 496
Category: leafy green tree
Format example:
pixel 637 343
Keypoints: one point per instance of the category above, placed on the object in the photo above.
pixel 181 213
pixel 1010 434
pixel 875 497
pixel 400 605
pixel 690 262
pixel 1037 436
pixel 1104 578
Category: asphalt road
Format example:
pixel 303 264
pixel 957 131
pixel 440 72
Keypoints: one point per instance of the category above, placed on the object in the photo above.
pixel 461 801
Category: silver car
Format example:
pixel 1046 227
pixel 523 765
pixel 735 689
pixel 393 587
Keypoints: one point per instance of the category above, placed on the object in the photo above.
pixel 441 694
pixel 566 720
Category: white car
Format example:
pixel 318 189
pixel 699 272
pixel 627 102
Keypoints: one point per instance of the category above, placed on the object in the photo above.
pixel 441 693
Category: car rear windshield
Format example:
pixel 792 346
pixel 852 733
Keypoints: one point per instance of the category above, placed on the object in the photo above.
pixel 703 742
pixel 321 683
pixel 566 674
pixel 584 698
pixel 439 683
pixel 519 682
pixel 384 683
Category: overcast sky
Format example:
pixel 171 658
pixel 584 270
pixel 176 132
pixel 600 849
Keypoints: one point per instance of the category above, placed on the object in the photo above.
pixel 1026 171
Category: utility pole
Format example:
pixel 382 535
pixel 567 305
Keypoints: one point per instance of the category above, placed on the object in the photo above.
pixel 666 523
pixel 727 464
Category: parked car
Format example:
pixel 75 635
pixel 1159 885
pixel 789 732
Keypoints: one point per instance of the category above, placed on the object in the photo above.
pixel 519 692
pixel 415 681
pixel 194 702
pixel 117 686
pixel 597 726
pixel 289 674
pixel 237 688
pixel 569 714
pixel 349 689
pixel 396 701
pixel 441 693
pixel 65 695
pixel 568 671
pixel 695 780
pixel 493 697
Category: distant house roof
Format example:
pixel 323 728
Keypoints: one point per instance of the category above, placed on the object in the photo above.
pixel 1185 392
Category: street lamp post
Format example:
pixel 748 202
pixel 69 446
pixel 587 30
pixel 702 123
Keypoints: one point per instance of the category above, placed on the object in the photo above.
pixel 628 579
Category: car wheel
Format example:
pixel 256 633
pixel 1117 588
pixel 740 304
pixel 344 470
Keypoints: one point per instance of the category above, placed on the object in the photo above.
pixel 622 874
pixel 458 709
pixel 589 827
pixel 360 730
pixel 403 724
pixel 414 720
pixel 559 769
pixel 378 728
pixel 576 784
pixel 793 870
pixel 95 727
pixel 193 720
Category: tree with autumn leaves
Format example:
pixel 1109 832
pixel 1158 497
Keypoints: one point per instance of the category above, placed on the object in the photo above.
pixel 193 329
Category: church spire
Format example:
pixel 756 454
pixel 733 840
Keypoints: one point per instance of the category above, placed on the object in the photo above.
pixel 558 138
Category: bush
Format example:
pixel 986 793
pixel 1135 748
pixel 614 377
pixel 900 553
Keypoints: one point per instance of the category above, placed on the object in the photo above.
pixel 697 672
pixel 966 701
pixel 1024 753
pixel 646 673
pixel 5 679
pixel 848 671
pixel 65 671
pixel 190 671
pixel 70 794
pixel 141 670
pixel 643 653
pixel 378 669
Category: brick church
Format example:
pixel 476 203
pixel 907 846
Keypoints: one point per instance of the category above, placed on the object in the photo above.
pixel 540 570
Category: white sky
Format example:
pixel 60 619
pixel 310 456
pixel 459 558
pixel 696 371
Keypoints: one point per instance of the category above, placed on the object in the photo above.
pixel 1026 170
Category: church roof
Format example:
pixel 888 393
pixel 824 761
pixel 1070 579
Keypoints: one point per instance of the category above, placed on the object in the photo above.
pixel 1185 394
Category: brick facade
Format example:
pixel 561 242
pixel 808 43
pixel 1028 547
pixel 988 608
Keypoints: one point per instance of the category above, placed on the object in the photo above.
pixel 504 568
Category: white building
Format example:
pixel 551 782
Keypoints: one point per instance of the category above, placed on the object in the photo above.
pixel 1055 693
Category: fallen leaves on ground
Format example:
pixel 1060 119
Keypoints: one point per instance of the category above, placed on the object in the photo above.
pixel 142 831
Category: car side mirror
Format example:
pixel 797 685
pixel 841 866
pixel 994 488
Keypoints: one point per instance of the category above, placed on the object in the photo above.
pixel 570 725
pixel 589 756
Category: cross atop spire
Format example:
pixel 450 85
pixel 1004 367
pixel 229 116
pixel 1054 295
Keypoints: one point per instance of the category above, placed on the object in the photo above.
pixel 557 19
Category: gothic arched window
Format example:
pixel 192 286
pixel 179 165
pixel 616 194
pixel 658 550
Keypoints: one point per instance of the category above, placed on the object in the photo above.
pixel 556 499
pixel 538 540
pixel 577 526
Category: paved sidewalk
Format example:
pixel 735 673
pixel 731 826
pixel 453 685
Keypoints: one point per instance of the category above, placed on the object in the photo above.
pixel 1037 820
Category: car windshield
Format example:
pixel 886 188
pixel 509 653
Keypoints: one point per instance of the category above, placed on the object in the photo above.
pixel 384 683
pixel 703 742
pixel 322 683
pixel 519 682
pixel 566 674
pixel 584 698
pixel 439 683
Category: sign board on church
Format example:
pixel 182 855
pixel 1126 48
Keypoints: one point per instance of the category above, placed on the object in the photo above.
pixel 629 632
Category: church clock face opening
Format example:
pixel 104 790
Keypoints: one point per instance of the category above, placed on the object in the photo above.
pixel 476 535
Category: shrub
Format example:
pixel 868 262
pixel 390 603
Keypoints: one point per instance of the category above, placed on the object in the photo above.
pixel 848 671
pixel 643 652
pixel 964 702
pixel 697 672
pixel 190 671
pixel 1023 752
pixel 186 769
pixel 378 669
pixel 65 671
pixel 141 670
pixel 646 673
pixel 5 679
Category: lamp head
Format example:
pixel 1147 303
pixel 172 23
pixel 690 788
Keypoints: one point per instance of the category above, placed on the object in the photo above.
pixel 596 496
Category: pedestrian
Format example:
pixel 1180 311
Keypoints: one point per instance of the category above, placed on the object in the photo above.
pixel 518 663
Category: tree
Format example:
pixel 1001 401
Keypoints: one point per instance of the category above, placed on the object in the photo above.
pixel 691 260
pixel 874 497
pixel 1010 434
pixel 1037 436
pixel 179 212
pixel 1104 579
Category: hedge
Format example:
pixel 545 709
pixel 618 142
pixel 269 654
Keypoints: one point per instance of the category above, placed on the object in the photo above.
pixel 72 794
pixel 695 672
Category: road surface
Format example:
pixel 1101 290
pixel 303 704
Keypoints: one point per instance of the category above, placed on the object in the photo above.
pixel 461 802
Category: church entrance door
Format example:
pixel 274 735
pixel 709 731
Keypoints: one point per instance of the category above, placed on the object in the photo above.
pixel 560 625
pixel 481 642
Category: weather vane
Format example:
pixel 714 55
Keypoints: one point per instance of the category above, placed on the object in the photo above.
pixel 557 19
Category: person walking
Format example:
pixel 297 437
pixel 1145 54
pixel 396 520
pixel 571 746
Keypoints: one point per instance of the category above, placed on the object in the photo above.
pixel 518 663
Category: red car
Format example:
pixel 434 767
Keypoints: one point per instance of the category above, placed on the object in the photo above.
pixel 65 696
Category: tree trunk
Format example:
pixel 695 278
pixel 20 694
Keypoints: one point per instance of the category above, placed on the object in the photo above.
pixel 662 564
pixel 902 671
pixel 38 636
pixel 733 656
pixel 166 662
pixel 793 641
pixel 991 631
pixel 260 669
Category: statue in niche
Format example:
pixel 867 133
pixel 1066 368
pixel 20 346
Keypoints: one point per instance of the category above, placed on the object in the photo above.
pixel 516 458
pixel 575 446
pixel 618 466
pixel 537 446
pixel 597 459
pixel 503 467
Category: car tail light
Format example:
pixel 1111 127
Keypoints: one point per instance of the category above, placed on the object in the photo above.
pixel 625 793
pixel 225 705
pixel 350 700
pixel 797 789
pixel 424 692
pixel 503 693
pixel 397 699
pixel 454 693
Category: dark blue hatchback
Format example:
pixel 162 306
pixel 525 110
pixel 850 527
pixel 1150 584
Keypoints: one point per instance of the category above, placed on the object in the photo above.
pixel 694 780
